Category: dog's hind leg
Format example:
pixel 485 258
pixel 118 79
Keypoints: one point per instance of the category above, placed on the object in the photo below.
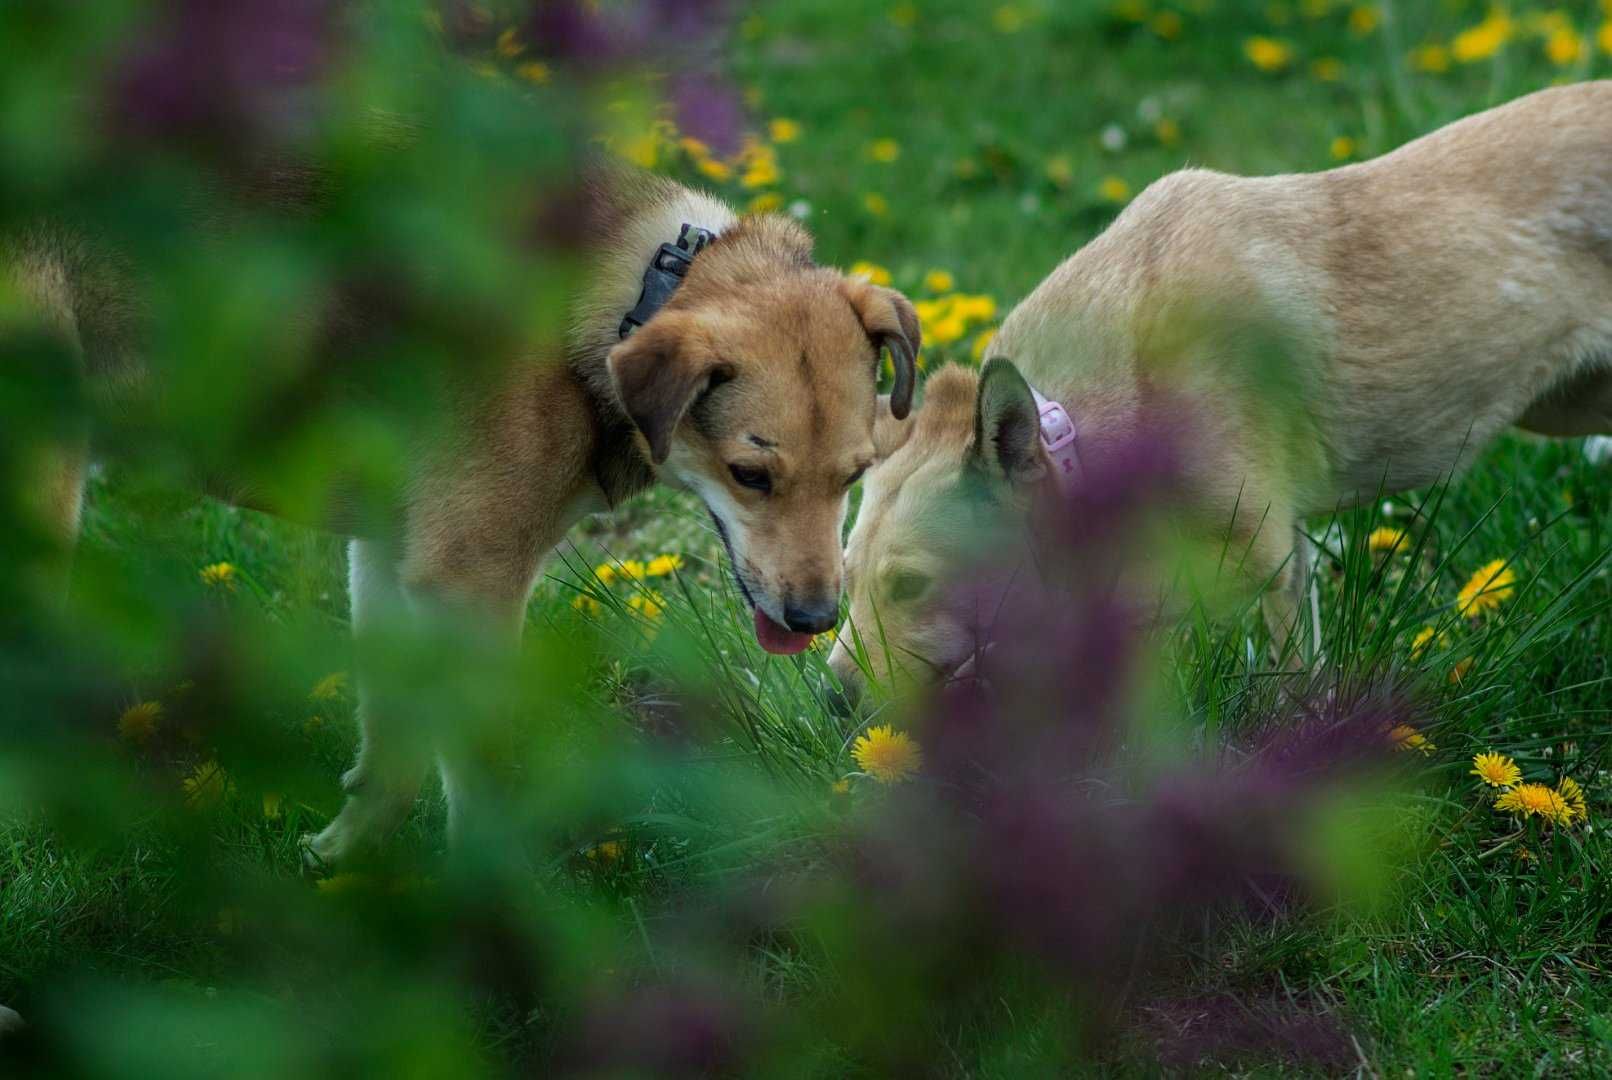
pixel 1582 406
pixel 1278 561
pixel 54 503
pixel 393 755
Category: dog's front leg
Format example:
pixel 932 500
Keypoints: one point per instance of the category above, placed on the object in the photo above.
pixel 394 752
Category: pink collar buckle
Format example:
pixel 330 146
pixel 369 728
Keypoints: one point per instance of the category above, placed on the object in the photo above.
pixel 1058 439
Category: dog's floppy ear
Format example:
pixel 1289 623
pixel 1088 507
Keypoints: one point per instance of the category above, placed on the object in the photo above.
pixel 1007 425
pixel 891 323
pixel 889 434
pixel 657 373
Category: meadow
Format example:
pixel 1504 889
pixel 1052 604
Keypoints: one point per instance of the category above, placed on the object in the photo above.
pixel 957 151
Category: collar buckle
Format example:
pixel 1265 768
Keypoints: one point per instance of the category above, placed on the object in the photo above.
pixel 1058 437
pixel 664 274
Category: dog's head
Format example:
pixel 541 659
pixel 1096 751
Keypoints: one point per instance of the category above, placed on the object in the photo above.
pixel 755 387
pixel 952 483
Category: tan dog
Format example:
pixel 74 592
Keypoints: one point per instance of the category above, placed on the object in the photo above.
pixel 753 385
pixel 1335 334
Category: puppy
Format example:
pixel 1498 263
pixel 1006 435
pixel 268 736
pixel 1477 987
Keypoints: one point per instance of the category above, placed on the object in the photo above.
pixel 1334 335
pixel 707 351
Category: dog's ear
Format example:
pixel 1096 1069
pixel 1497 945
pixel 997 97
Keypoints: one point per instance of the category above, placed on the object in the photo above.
pixel 1007 425
pixel 891 323
pixel 889 434
pixel 658 373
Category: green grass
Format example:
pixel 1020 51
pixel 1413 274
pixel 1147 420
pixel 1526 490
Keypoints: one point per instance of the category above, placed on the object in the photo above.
pixel 1486 963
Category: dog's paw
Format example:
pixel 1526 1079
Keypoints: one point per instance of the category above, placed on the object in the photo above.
pixel 10 1022
pixel 1598 449
pixel 366 822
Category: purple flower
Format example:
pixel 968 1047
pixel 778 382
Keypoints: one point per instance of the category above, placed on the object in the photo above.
pixel 225 69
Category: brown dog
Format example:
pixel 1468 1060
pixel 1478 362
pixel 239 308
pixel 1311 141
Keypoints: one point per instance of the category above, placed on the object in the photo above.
pixel 1335 334
pixel 752 384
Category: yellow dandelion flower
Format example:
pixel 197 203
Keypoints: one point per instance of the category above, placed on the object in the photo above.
pixel 509 45
pixel 1268 54
pixel 1342 148
pixel 762 171
pixel 1061 170
pixel 1007 19
pixel 1113 189
pixel 765 203
pixel 535 72
pixel 207 785
pixel 1486 590
pixel 884 151
pixel 605 573
pixel 875 204
pixel 1130 10
pixel 139 721
pixel 947 330
pixel 1166 24
pixel 784 131
pixel 1327 69
pixel 982 342
pixel 219 575
pixel 605 851
pixel 1424 637
pixel 872 272
pixel 1496 770
pixel 939 281
pixel 694 148
pixel 1577 806
pixel 662 565
pixel 586 604
pixel 1364 19
pixel 271 805
pixel 642 150
pixel 720 171
pixel 887 755
pixel 649 603
pixel 1484 40
pixel 1387 539
pixel 1564 46
pixel 631 570
pixel 1604 37
pixel 1433 59
pixel 332 687
pixel 975 308
pixel 1405 737
pixel 1535 800
pixel 1167 131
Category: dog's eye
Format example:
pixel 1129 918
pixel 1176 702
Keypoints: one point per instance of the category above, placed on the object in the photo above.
pixel 907 585
pixel 752 478
pixel 856 476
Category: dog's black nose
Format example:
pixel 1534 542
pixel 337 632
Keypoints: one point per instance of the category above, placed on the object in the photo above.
pixel 812 618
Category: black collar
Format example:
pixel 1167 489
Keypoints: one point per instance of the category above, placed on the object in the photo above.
pixel 666 272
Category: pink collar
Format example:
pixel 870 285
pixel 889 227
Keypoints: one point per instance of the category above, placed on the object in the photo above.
pixel 1058 439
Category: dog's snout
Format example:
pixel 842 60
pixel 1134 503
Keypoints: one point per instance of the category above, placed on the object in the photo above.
pixel 812 618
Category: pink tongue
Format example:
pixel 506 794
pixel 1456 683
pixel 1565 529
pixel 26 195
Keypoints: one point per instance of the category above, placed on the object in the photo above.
pixel 777 640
